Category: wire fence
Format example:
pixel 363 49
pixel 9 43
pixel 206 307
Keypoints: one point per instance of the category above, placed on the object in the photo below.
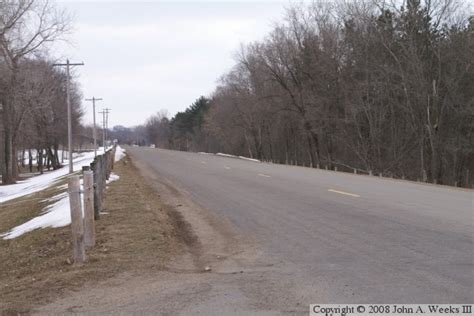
pixel 101 167
pixel 83 215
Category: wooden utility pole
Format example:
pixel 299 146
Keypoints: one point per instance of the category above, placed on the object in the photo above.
pixel 69 115
pixel 105 120
pixel 77 226
pixel 94 130
pixel 103 130
pixel 107 111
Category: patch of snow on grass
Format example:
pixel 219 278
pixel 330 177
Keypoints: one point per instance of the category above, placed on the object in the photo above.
pixel 56 197
pixel 119 153
pixel 34 154
pixel 41 182
pixel 113 177
pixel 54 215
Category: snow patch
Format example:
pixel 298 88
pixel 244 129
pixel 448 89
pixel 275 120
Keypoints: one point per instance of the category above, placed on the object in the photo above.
pixel 62 154
pixel 113 177
pixel 56 197
pixel 54 215
pixel 249 159
pixel 41 182
pixel 230 156
pixel 225 155
pixel 240 157
pixel 119 153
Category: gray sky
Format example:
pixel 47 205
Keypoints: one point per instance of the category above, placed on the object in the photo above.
pixel 141 57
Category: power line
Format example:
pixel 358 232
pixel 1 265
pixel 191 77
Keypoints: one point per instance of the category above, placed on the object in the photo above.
pixel 68 101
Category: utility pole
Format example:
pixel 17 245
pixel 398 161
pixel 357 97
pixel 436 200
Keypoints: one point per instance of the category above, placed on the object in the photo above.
pixel 107 111
pixel 105 125
pixel 103 129
pixel 94 130
pixel 68 101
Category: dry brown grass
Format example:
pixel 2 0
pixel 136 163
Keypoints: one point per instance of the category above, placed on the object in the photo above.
pixel 139 233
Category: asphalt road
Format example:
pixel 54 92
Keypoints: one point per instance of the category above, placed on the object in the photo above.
pixel 339 238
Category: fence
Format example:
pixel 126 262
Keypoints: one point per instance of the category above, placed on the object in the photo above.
pixel 101 167
pixel 95 179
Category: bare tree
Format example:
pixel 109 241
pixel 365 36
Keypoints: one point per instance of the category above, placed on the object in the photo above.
pixel 376 86
pixel 26 26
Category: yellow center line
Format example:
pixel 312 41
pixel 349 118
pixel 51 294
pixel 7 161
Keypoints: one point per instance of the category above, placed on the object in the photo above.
pixel 345 193
pixel 264 175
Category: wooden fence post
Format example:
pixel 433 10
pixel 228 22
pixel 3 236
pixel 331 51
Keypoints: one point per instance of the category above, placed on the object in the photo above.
pixel 95 168
pixel 99 184
pixel 88 197
pixel 103 178
pixel 79 253
pixel 102 168
pixel 109 164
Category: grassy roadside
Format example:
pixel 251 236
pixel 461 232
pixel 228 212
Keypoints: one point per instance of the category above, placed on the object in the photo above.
pixel 18 211
pixel 138 233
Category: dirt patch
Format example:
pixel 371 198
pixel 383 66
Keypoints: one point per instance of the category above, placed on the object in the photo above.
pixel 184 229
pixel 136 233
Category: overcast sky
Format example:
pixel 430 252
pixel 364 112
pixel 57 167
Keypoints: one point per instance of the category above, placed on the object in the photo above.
pixel 144 56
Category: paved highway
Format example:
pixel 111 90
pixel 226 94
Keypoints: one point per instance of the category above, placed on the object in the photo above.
pixel 337 237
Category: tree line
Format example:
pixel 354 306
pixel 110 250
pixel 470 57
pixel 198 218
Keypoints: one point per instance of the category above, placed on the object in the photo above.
pixel 376 87
pixel 33 114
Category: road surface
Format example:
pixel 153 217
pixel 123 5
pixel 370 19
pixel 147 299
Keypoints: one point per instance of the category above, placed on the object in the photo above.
pixel 278 238
pixel 349 238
